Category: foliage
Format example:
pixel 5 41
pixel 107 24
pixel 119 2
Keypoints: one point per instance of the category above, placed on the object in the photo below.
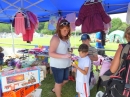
pixel 117 24
pixel 45 29
pixel 123 26
pixel 5 27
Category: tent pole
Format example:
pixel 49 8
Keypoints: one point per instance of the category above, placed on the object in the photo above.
pixel 12 40
pixel 75 39
pixel 22 4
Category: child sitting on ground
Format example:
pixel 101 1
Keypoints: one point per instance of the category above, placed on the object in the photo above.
pixel 83 72
pixel 1 57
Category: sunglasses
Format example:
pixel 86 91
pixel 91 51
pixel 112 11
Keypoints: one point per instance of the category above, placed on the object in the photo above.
pixel 65 23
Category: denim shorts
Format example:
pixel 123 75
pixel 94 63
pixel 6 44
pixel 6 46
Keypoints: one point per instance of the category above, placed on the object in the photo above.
pixel 60 74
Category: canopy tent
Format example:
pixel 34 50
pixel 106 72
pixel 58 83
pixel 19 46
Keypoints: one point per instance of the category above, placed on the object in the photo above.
pixel 44 8
pixel 117 34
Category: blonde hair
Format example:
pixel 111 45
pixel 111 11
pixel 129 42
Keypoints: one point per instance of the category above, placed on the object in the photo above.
pixel 127 34
pixel 1 49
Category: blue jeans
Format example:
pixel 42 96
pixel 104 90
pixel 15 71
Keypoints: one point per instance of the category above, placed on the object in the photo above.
pixel 60 74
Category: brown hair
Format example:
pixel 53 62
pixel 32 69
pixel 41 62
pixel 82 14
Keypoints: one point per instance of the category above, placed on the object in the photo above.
pixel 83 48
pixel 1 49
pixel 127 32
pixel 59 27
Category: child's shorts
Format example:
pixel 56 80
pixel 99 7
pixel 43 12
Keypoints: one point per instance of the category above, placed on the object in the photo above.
pixel 82 89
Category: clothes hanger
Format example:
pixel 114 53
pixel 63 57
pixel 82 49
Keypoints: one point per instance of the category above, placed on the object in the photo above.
pixel 92 2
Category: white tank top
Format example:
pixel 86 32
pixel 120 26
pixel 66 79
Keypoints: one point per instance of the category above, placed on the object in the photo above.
pixel 61 49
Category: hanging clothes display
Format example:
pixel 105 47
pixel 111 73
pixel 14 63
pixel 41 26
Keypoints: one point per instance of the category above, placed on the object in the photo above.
pixel 53 22
pixel 71 18
pixel 25 23
pixel 128 15
pixel 91 17
pixel 19 23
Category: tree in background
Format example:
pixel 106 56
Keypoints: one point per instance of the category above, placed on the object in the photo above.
pixel 5 27
pixel 123 26
pixel 117 24
pixel 45 30
pixel 41 26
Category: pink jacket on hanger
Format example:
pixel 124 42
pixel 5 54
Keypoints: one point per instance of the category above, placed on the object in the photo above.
pixel 91 17
pixel 19 26
pixel 33 19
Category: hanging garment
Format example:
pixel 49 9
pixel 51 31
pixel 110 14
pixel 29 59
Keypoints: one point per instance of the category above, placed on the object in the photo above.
pixel 29 33
pixel 19 26
pixel 26 21
pixel 91 17
pixel 33 19
pixel 53 22
pixel 128 14
pixel 71 18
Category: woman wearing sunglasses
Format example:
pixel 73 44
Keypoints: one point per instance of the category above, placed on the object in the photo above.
pixel 59 56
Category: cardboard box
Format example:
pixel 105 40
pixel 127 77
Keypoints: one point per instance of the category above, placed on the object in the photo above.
pixel 36 93
pixel 15 79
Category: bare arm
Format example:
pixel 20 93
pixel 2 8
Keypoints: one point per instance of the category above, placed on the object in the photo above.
pixel 98 40
pixel 116 61
pixel 53 46
pixel 85 71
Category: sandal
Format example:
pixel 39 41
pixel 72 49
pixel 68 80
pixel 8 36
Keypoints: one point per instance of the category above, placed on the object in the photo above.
pixel 53 90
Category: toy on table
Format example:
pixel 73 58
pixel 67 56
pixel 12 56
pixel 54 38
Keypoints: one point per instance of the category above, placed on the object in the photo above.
pixel 74 59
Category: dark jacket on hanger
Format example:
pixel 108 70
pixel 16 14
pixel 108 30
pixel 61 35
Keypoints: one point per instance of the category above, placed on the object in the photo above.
pixel 91 17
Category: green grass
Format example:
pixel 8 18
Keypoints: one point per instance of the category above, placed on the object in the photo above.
pixel 67 91
pixel 47 84
pixel 46 41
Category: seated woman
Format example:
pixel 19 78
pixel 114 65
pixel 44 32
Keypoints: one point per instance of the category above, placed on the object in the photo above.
pixel 119 73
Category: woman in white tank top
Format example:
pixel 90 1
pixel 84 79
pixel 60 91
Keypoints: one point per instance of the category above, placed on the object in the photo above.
pixel 59 56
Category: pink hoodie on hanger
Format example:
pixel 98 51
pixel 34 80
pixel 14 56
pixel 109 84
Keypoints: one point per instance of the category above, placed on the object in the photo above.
pixel 19 24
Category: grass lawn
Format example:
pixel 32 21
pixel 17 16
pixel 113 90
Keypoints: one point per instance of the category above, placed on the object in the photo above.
pixel 47 84
pixel 46 40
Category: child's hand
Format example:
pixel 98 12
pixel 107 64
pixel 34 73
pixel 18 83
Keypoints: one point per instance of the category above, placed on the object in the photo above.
pixel 73 64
